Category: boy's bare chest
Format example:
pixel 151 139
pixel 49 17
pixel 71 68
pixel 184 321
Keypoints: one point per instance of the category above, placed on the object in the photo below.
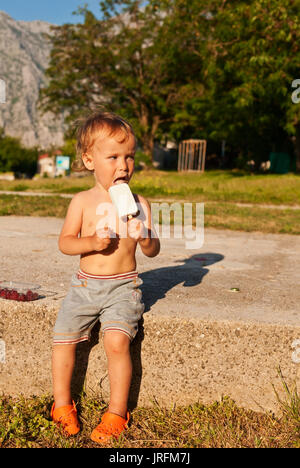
pixel 100 215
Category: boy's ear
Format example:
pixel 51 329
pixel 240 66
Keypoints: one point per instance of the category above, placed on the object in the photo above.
pixel 88 161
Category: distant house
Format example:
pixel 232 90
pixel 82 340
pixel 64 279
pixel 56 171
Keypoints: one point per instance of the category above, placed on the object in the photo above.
pixel 46 165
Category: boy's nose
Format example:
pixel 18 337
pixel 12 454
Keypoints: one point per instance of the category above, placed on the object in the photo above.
pixel 123 164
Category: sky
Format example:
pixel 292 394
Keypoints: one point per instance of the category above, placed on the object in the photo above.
pixel 52 11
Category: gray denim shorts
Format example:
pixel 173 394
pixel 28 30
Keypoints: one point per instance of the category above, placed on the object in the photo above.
pixel 114 300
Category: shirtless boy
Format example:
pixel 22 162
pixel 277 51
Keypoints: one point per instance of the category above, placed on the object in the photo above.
pixel 106 286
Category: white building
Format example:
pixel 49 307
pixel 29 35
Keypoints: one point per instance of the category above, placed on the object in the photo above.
pixel 46 165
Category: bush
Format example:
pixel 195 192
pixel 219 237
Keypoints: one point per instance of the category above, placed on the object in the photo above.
pixel 14 157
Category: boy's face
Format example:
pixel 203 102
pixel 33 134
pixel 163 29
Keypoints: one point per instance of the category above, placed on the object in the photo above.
pixel 111 159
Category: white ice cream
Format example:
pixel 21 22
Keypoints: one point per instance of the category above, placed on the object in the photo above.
pixel 123 200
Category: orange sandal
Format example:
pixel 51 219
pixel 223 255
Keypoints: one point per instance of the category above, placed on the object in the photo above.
pixel 66 416
pixel 111 425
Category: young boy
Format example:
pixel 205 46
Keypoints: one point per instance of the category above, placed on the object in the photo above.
pixel 106 286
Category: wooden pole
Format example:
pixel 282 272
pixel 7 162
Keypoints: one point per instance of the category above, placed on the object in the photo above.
pixel 179 157
pixel 204 155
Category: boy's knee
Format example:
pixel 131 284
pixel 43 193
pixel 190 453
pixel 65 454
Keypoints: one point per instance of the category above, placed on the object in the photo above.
pixel 116 342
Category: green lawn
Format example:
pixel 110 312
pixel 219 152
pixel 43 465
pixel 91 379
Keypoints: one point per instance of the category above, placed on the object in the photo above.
pixel 223 186
pixel 216 215
pixel 220 191
pixel 227 186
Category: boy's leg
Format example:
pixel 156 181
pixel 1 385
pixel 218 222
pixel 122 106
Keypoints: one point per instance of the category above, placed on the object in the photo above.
pixel 63 360
pixel 116 345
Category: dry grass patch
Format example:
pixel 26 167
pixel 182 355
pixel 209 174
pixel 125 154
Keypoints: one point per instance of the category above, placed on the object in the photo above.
pixel 26 423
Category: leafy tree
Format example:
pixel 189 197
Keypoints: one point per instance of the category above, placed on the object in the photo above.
pixel 251 56
pixel 123 62
pixel 209 69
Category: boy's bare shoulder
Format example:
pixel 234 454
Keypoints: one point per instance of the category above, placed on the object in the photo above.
pixel 79 202
pixel 82 197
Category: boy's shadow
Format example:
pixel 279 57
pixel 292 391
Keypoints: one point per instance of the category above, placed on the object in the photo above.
pixel 156 283
pixel 159 281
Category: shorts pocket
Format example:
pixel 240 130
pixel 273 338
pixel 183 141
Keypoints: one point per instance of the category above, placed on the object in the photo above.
pixel 78 282
pixel 136 293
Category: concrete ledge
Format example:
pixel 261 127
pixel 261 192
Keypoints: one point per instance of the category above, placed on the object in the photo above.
pixel 175 362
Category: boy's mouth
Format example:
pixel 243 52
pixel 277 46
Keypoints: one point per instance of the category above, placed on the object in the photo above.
pixel 121 180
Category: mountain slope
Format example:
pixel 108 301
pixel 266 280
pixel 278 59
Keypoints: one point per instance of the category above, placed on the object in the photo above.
pixel 24 55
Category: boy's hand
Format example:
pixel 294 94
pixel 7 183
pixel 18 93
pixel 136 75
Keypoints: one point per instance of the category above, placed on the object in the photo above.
pixel 136 229
pixel 101 239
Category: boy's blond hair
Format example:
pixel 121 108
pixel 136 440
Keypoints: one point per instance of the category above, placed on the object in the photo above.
pixel 88 130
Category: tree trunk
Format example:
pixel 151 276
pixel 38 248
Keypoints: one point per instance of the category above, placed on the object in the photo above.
pixel 147 142
pixel 148 145
pixel 150 125
pixel 149 137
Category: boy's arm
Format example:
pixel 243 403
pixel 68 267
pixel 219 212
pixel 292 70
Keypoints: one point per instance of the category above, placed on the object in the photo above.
pixel 69 243
pixel 149 242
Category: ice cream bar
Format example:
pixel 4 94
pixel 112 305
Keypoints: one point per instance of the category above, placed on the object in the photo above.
pixel 123 200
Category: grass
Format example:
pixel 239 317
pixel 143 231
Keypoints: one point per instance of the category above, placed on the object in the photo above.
pixel 291 405
pixel 216 215
pixel 25 423
pixel 225 194
pixel 52 186
pixel 221 186
pixel 19 205
pixel 249 219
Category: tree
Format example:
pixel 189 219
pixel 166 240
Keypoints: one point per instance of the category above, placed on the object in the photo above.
pixel 186 68
pixel 123 62
pixel 251 57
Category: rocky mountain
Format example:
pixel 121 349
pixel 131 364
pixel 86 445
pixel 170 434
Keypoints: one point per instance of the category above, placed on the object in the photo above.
pixel 24 55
